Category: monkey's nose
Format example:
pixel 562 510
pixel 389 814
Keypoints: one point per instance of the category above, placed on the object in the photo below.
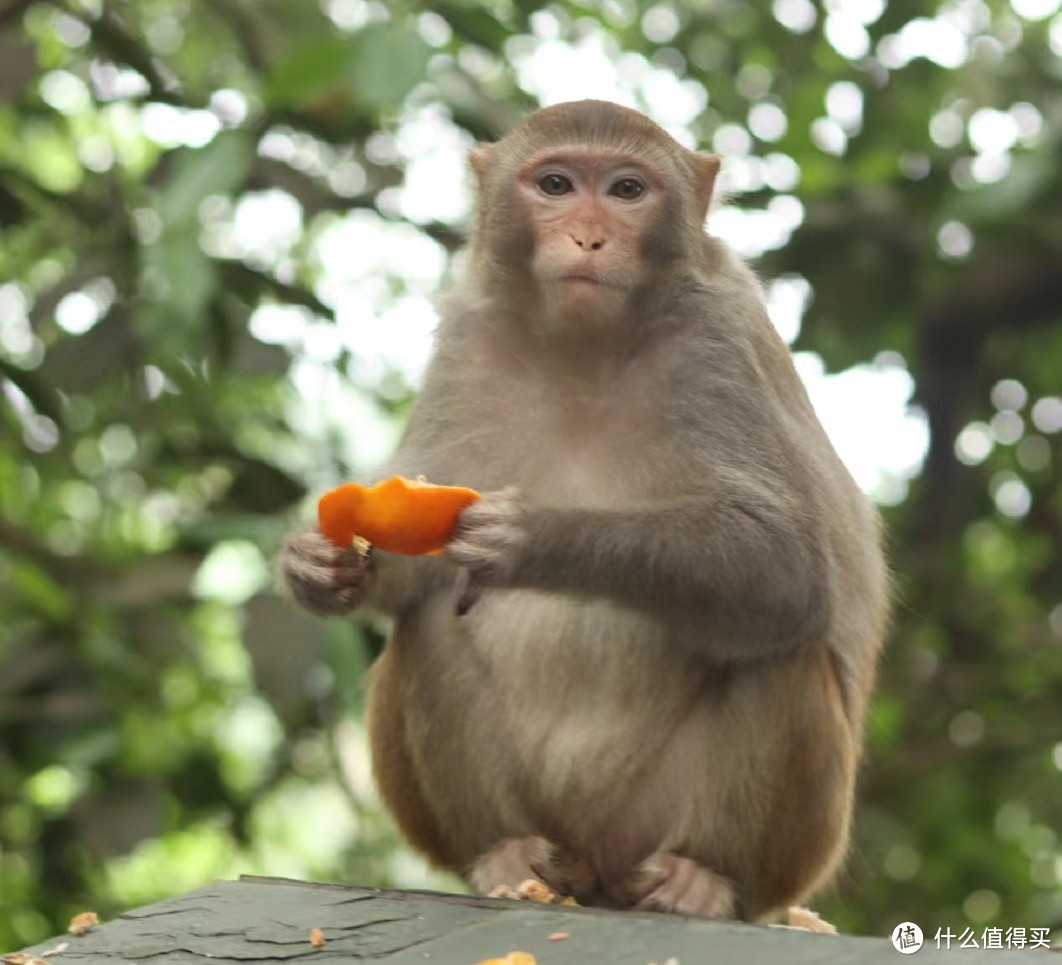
pixel 588 245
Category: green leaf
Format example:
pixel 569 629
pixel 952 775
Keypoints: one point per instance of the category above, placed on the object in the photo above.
pixel 308 71
pixel 387 62
pixel 475 25
pixel 379 65
pixel 191 280
pixel 39 591
pixel 218 168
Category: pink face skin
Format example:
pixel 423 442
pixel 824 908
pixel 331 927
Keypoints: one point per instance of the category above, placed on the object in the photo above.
pixel 589 209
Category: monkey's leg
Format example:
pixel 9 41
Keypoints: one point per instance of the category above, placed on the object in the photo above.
pixel 676 884
pixel 393 767
pixel 512 862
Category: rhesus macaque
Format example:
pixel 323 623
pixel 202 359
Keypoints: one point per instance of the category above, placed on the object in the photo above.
pixel 657 698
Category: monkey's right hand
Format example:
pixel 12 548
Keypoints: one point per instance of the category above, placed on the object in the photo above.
pixel 326 579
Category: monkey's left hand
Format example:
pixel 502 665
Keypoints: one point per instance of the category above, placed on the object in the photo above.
pixel 491 537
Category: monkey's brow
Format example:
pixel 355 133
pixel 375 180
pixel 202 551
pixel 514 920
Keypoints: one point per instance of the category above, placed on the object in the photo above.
pixel 560 154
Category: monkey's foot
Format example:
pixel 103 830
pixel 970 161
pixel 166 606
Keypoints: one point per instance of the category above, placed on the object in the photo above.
pixel 529 869
pixel 676 884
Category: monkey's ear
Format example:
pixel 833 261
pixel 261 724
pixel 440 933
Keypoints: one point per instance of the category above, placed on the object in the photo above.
pixel 706 167
pixel 481 157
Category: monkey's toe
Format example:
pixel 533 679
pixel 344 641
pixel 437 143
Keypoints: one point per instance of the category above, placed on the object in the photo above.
pixel 509 864
pixel 672 883
pixel 510 869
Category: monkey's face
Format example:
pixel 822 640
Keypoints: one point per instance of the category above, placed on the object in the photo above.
pixel 589 210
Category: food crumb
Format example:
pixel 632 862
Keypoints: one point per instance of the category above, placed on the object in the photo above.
pixel 513 958
pixel 22 958
pixel 317 938
pixel 84 923
pixel 532 890
pixel 560 936
pixel 361 545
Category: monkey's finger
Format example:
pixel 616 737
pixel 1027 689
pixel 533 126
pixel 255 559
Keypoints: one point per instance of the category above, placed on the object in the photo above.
pixel 469 591
pixel 310 546
pixel 490 538
pixel 350 566
pixel 325 599
pixel 495 507
pixel 297 570
pixel 322 571
pixel 463 552
pixel 487 563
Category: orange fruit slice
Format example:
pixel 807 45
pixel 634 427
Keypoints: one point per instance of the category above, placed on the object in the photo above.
pixel 399 515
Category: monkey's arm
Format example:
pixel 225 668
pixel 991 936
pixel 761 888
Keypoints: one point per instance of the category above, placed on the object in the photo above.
pixel 745 562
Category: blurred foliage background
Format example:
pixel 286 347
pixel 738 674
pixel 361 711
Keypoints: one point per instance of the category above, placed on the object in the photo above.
pixel 222 222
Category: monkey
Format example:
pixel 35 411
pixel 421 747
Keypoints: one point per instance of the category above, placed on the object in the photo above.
pixel 656 698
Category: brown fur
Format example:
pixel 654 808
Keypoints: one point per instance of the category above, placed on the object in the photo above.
pixel 658 699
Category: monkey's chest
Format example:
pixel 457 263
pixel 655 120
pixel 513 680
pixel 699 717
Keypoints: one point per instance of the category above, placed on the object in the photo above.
pixel 585 454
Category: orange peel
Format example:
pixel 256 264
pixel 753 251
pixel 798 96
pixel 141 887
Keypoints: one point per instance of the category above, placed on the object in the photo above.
pixel 409 516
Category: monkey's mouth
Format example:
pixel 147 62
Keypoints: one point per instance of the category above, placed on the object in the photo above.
pixel 589 279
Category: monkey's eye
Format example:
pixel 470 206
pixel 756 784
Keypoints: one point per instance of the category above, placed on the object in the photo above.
pixel 627 189
pixel 555 184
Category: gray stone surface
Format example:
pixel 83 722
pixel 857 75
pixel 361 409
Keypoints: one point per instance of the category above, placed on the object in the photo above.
pixel 267 920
